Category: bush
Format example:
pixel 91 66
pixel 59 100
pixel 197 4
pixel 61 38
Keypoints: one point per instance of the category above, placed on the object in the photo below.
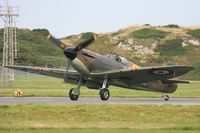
pixel 147 25
pixel 194 33
pixel 149 33
pixel 25 35
pixel 172 26
pixel 171 48
pixel 44 32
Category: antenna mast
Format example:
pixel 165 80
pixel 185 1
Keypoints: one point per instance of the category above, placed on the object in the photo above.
pixel 8 14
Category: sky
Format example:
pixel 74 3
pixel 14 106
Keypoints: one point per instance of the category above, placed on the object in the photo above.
pixel 67 17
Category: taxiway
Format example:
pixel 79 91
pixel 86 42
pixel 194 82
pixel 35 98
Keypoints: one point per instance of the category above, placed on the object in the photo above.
pixel 91 100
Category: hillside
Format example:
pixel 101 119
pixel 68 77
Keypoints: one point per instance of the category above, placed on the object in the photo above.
pixel 35 49
pixel 144 45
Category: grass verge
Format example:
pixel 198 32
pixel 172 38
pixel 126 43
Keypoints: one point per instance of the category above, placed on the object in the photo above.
pixel 149 33
pixel 42 116
pixel 97 130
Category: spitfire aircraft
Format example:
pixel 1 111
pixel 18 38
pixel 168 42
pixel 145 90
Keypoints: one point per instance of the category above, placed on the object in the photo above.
pixel 97 71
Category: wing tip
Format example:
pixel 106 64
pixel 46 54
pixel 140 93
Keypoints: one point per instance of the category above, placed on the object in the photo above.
pixel 190 68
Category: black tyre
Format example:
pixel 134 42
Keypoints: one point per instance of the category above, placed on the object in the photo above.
pixel 104 94
pixel 166 97
pixel 72 96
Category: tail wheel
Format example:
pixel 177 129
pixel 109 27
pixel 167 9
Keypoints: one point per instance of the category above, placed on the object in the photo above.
pixel 72 96
pixel 104 94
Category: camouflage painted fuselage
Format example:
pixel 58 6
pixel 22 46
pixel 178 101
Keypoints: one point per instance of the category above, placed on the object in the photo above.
pixel 88 62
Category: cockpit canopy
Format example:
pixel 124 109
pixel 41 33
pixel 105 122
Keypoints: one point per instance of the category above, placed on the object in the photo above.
pixel 119 59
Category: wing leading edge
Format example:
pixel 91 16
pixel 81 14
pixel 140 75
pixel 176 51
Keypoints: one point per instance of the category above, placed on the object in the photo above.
pixel 145 74
pixel 58 73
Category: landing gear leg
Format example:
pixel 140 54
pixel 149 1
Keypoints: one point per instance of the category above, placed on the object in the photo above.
pixel 75 92
pixel 166 97
pixel 104 92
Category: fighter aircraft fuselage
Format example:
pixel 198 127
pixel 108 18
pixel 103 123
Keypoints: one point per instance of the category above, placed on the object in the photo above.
pixel 97 71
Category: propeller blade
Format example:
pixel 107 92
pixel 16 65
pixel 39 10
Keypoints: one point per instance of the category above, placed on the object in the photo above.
pixel 85 43
pixel 56 41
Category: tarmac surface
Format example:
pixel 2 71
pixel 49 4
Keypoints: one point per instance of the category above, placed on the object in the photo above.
pixel 90 100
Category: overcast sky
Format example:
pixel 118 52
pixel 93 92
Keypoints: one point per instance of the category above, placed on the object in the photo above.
pixel 66 17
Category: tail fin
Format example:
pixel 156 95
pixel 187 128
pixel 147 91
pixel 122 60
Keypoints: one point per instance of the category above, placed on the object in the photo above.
pixel 56 41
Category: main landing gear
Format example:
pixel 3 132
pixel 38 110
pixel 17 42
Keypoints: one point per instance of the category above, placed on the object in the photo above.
pixel 104 92
pixel 72 96
pixel 75 92
pixel 166 97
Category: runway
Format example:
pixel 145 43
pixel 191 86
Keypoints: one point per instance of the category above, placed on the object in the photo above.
pixel 90 100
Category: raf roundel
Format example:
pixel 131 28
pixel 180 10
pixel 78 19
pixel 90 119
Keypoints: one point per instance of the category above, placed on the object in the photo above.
pixel 160 72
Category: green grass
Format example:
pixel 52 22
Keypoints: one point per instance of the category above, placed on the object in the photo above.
pixel 100 117
pixel 195 33
pixel 171 48
pixel 56 87
pixel 97 130
pixel 149 33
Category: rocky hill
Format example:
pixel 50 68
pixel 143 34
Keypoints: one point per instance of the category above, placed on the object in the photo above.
pixel 145 45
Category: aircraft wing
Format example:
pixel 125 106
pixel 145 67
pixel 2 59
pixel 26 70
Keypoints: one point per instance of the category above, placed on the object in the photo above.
pixel 144 74
pixel 58 73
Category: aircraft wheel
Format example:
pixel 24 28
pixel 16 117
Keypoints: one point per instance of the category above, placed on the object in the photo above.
pixel 166 97
pixel 72 96
pixel 104 94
